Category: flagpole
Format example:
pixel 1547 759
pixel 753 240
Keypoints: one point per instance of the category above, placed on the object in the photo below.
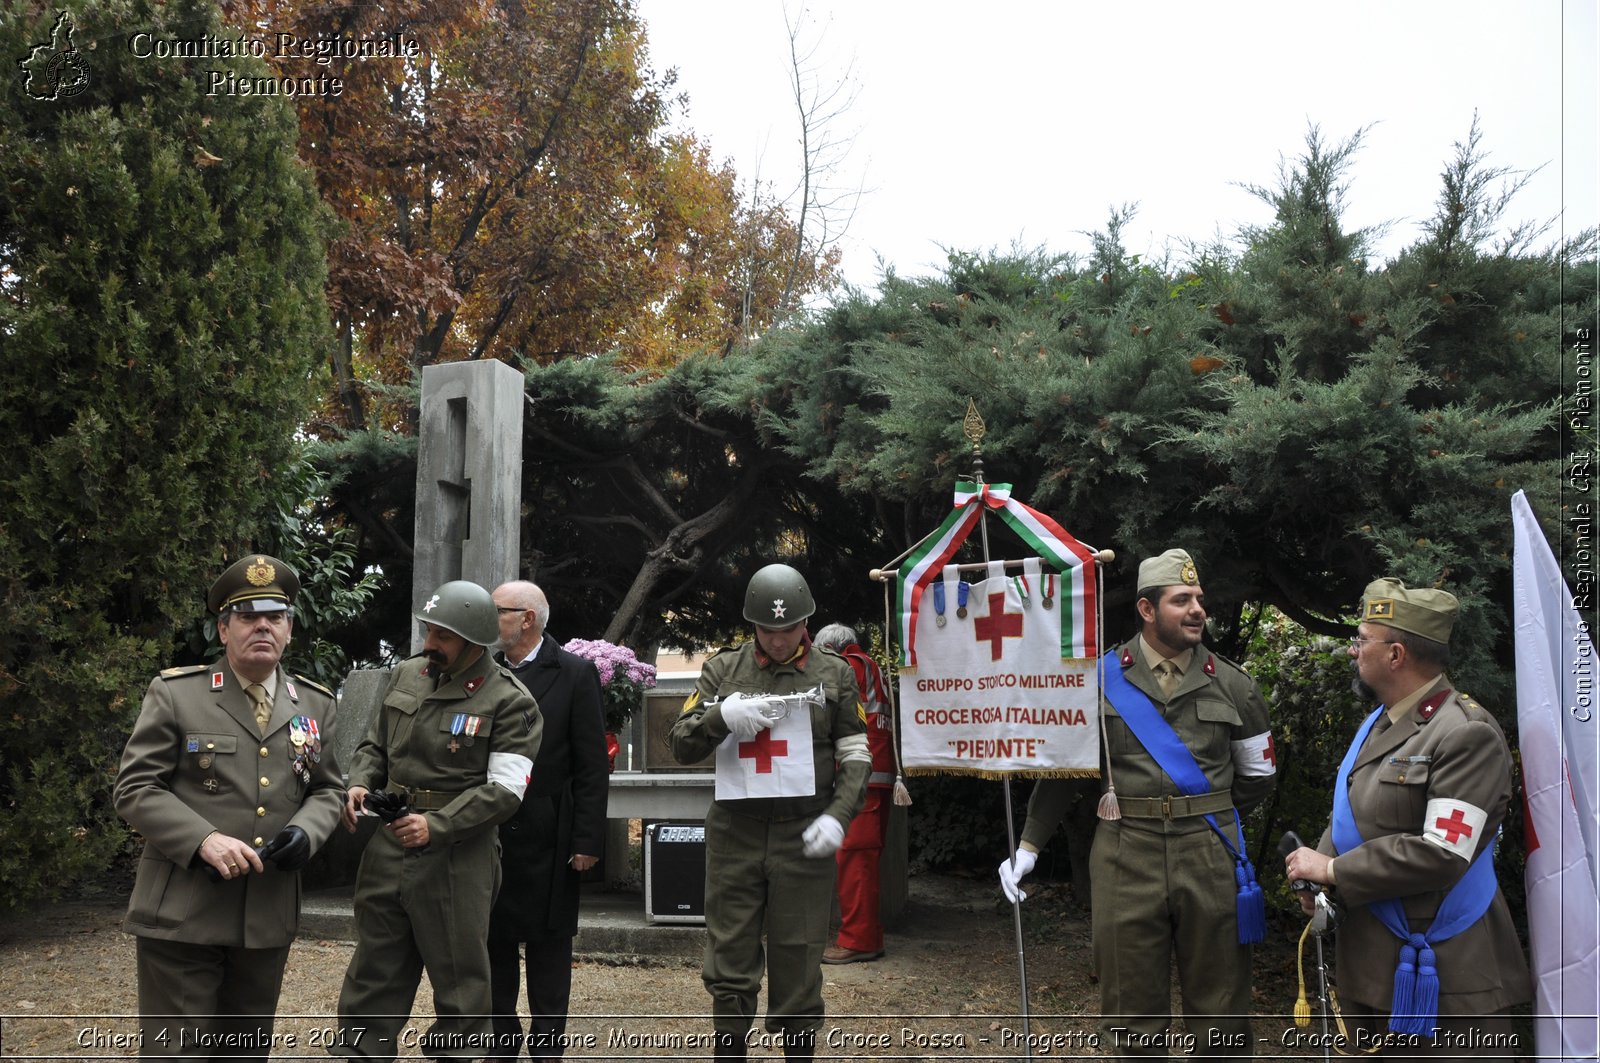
pixel 938 548
pixel 973 428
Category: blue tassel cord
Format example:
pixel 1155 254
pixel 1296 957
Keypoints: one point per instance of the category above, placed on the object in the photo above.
pixel 1250 904
pixel 1416 989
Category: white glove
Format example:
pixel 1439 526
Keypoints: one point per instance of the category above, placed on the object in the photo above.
pixel 823 837
pixel 1011 873
pixel 743 715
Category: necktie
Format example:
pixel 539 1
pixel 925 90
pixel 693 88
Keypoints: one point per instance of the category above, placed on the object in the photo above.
pixel 1168 676
pixel 1164 677
pixel 258 697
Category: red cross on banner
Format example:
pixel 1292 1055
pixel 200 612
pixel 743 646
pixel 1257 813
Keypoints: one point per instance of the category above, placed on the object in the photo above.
pixel 997 626
pixel 762 750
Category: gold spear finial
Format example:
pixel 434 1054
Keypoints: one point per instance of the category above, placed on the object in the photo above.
pixel 972 425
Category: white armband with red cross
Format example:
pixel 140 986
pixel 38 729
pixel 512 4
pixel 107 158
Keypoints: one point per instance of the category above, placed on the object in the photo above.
pixel 1255 755
pixel 511 770
pixel 1454 826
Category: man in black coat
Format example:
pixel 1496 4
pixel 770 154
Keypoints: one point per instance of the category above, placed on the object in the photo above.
pixel 558 833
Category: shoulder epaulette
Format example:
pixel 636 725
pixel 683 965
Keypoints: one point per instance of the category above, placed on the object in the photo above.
pixel 1235 665
pixel 720 650
pixel 314 685
pixel 188 669
pixel 1469 702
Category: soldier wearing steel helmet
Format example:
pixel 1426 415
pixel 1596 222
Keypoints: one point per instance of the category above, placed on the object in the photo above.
pixel 770 859
pixel 455 741
pixel 230 777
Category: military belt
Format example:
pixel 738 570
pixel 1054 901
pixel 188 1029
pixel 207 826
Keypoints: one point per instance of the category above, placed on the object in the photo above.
pixel 1175 807
pixel 425 800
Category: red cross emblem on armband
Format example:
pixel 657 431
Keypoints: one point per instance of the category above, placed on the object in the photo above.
pixel 1455 827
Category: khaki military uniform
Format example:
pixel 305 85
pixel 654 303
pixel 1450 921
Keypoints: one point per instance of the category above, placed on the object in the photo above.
pixel 757 875
pixel 1163 884
pixel 430 907
pixel 1446 746
pixel 197 762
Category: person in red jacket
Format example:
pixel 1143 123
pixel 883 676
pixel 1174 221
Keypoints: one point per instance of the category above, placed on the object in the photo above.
pixel 860 929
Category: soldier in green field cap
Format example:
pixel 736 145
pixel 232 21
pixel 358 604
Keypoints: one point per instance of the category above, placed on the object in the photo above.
pixel 229 776
pixel 1418 802
pixel 1187 746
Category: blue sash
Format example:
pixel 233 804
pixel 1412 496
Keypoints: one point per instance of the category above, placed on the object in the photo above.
pixel 1415 1007
pixel 1162 743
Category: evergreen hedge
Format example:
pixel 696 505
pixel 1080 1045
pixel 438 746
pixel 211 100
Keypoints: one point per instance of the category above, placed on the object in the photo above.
pixel 161 312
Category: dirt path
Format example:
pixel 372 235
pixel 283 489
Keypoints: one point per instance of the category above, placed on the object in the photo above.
pixel 947 988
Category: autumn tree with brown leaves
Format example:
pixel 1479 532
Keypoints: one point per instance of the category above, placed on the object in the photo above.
pixel 512 191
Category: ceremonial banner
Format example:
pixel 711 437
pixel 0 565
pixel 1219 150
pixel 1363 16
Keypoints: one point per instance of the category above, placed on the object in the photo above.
pixel 991 693
pixel 775 763
pixel 1558 739
pixel 1075 562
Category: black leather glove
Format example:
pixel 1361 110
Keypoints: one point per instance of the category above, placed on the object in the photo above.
pixel 290 849
pixel 386 805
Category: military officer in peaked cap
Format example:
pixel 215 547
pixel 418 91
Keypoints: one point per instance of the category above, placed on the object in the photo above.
pixel 1168 870
pixel 1418 804
pixel 455 738
pixel 229 777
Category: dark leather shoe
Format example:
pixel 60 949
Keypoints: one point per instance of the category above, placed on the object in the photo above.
pixel 839 954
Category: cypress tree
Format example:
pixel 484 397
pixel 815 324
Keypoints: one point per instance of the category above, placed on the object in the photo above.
pixel 161 309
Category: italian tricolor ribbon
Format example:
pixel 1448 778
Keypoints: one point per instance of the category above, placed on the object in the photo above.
pixel 1042 534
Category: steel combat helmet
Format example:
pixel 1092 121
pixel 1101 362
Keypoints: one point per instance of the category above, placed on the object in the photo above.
pixel 465 608
pixel 778 597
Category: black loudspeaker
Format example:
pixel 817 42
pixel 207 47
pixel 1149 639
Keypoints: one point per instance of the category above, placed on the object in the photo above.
pixel 675 872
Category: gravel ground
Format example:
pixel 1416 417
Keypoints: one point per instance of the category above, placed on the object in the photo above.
pixel 947 988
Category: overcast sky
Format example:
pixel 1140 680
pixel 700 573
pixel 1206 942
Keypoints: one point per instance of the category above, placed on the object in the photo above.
pixel 981 125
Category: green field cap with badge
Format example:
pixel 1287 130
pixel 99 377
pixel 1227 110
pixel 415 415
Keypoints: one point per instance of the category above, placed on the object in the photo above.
pixel 1167 570
pixel 256 583
pixel 1420 610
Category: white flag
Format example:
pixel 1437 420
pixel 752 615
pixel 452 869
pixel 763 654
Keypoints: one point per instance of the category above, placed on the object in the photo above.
pixel 777 762
pixel 1557 724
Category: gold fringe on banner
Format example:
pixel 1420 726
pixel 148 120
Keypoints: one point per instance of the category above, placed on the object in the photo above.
pixel 987 773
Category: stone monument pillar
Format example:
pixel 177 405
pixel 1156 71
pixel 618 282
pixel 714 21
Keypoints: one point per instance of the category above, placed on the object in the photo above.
pixel 469 507
pixel 469 478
